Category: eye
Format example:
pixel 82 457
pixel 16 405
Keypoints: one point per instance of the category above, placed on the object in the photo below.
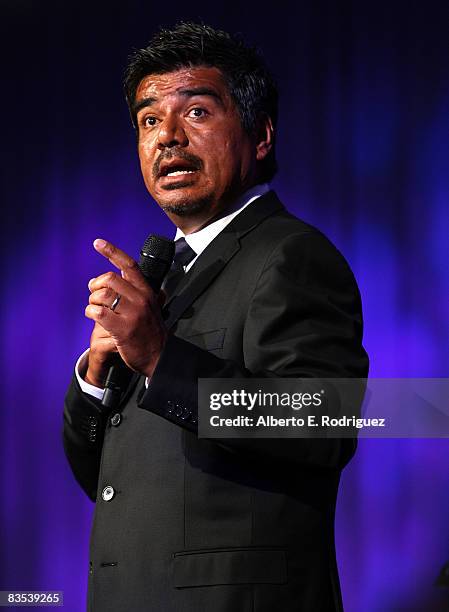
pixel 149 121
pixel 198 113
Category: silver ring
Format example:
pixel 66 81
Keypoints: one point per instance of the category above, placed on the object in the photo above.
pixel 116 302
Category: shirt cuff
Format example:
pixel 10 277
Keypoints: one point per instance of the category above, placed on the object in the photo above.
pixel 80 367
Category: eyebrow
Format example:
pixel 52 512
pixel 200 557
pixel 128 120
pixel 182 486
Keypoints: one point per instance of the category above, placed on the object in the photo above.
pixel 187 93
pixel 142 104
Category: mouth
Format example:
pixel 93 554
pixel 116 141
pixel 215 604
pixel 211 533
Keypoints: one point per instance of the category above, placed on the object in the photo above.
pixel 176 167
pixel 178 173
pixel 177 176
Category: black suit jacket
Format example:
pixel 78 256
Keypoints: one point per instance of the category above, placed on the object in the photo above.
pixel 244 525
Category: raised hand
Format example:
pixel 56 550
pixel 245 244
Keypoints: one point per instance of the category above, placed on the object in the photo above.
pixel 134 326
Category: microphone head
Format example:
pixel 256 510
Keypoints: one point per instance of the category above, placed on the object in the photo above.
pixel 158 246
pixel 156 257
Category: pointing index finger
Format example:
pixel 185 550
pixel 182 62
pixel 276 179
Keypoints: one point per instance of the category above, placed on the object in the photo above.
pixel 121 260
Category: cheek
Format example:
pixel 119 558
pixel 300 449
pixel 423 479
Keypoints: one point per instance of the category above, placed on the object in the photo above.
pixel 220 168
pixel 231 159
pixel 146 168
pixel 145 158
pixel 221 155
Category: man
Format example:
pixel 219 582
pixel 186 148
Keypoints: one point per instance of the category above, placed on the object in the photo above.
pixel 184 523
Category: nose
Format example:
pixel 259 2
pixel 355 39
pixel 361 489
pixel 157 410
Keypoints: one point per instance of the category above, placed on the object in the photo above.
pixel 171 133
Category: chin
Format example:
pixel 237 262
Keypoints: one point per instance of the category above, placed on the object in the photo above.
pixel 185 206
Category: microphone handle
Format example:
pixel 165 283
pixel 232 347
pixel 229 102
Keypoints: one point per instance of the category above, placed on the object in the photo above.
pixel 118 378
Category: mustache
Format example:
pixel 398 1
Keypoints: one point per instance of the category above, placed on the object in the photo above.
pixel 193 160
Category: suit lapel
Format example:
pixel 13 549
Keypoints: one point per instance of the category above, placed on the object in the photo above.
pixel 216 256
pixel 198 279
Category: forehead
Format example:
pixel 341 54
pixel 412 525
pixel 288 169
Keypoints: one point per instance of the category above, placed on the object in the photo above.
pixel 170 83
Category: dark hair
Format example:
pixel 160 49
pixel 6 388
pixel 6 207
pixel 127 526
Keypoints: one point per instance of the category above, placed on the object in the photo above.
pixel 250 83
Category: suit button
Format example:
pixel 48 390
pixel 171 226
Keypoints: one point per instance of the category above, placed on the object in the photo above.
pixel 116 419
pixel 108 493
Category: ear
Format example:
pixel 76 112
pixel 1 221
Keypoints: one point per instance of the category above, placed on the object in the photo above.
pixel 264 136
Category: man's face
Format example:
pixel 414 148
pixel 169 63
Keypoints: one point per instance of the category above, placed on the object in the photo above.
pixel 194 154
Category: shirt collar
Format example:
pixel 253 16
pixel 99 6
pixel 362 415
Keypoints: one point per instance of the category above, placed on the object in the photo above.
pixel 201 239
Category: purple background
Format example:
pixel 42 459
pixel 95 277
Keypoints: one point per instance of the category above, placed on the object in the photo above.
pixel 363 151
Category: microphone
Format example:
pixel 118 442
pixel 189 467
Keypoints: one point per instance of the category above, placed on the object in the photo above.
pixel 155 260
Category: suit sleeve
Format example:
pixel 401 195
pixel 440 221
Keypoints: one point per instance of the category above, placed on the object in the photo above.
pixel 304 321
pixel 83 433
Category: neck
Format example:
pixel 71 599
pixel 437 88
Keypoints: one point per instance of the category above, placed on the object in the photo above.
pixel 194 222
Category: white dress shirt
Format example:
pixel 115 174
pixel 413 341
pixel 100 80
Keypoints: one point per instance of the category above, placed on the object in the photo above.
pixel 198 241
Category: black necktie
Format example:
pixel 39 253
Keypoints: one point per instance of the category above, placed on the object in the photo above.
pixel 183 256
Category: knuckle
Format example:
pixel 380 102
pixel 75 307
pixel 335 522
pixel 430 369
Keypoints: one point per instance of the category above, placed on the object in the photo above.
pixel 93 311
pixel 106 293
pixel 109 277
pixel 132 264
pixel 99 296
